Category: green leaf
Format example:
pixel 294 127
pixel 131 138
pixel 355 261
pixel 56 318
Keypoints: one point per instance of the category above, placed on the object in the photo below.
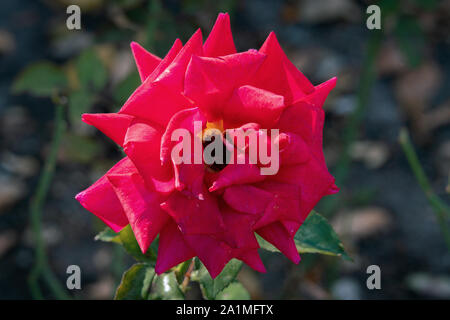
pixel 41 79
pixel 127 239
pixel 108 235
pixel 212 287
pixel 91 71
pixel 265 244
pixel 317 236
pixel 136 283
pixel 79 102
pixel 235 291
pixel 80 149
pixel 166 287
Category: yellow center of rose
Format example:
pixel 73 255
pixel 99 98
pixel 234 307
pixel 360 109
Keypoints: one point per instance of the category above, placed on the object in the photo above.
pixel 213 131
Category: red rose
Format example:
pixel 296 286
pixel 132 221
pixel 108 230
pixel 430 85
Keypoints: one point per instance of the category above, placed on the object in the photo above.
pixel 212 211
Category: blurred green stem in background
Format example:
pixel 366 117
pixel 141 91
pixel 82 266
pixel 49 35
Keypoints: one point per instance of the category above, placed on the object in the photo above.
pixel 41 266
pixel 441 210
pixel 350 133
pixel 155 12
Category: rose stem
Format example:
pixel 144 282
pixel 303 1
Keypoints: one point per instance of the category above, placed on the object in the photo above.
pixel 41 266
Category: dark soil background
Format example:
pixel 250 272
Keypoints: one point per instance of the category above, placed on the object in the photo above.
pixel 381 213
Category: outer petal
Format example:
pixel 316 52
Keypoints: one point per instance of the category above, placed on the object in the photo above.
pixel 142 143
pixel 247 199
pixel 113 125
pixel 313 179
pixel 239 234
pixel 241 238
pixel 279 75
pixel 277 235
pixel 173 75
pixel 292 148
pixel 214 253
pixel 141 207
pixel 146 62
pixel 253 259
pixel 285 204
pixel 194 216
pixel 172 248
pixel 170 56
pixel 155 102
pixel 320 94
pixel 160 96
pixel 101 200
pixel 307 121
pixel 220 41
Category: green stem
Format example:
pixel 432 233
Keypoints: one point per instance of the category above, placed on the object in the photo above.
pixel 187 276
pixel 155 9
pixel 441 210
pixel 41 266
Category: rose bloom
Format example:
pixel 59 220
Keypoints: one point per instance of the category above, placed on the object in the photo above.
pixel 213 211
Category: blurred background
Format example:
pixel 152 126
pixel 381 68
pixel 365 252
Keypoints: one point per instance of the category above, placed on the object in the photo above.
pixel 387 80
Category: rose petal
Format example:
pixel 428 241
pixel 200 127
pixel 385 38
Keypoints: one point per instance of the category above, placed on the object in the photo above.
pixel 170 56
pixel 252 258
pixel 101 200
pixel 206 85
pixel 113 125
pixel 234 174
pixel 247 199
pixel 141 206
pixel 142 143
pixel 213 253
pixel 307 121
pixel 277 235
pixel 172 248
pixel 285 204
pixel 313 180
pixel 194 216
pixel 220 41
pixel 146 62
pixel 320 94
pixel 279 75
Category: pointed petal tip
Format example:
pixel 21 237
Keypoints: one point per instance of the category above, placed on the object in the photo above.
pixel 272 36
pixel 177 42
pixel 79 196
pixel 86 117
pixel 253 260
pixel 134 44
pixel 294 257
pixel 159 269
pixel 197 33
